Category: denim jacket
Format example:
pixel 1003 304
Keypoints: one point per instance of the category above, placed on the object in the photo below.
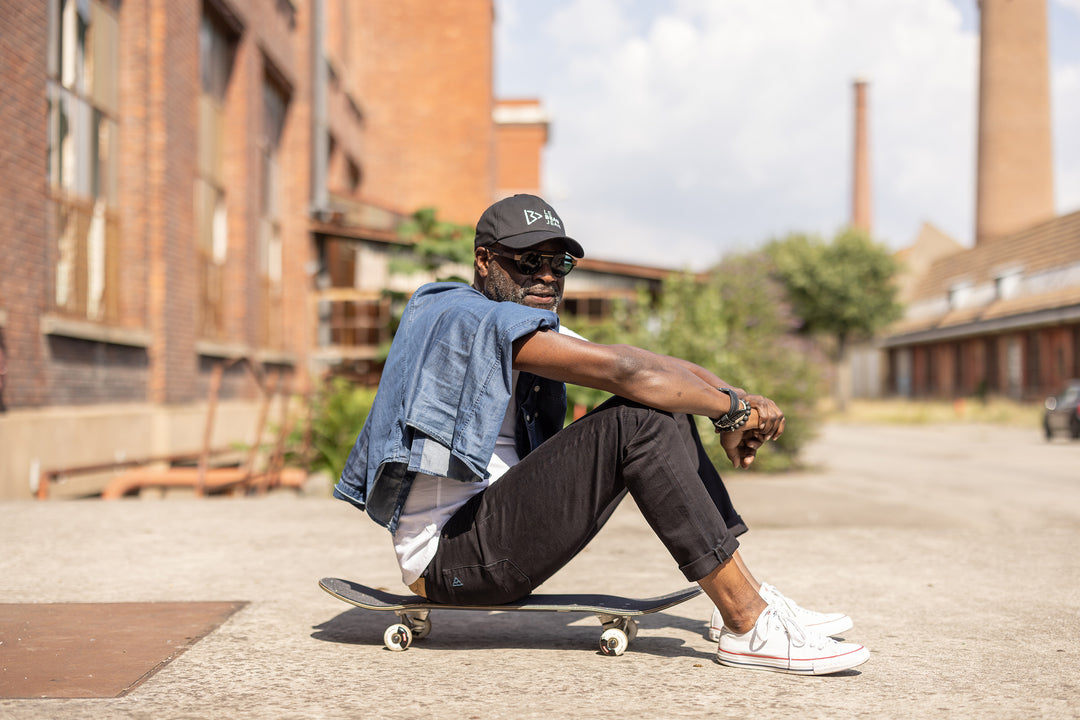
pixel 443 395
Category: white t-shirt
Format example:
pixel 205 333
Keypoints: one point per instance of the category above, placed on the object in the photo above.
pixel 433 500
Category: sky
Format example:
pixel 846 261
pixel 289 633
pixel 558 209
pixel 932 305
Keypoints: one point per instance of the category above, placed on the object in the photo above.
pixel 684 130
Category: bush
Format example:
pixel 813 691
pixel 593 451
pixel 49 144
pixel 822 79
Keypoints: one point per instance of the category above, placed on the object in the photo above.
pixel 338 412
pixel 734 323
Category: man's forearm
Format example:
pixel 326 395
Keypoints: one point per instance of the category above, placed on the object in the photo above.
pixel 708 376
pixel 659 381
pixel 676 385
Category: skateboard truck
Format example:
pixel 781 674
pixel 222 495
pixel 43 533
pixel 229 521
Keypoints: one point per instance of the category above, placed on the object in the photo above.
pixel 619 632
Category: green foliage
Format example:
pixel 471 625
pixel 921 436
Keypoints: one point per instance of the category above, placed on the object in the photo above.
pixel 435 243
pixel 734 324
pixel 338 411
pixel 844 288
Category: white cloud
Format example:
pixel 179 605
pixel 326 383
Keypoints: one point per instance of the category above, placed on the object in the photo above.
pixel 690 128
pixel 583 23
pixel 1073 5
pixel 1065 87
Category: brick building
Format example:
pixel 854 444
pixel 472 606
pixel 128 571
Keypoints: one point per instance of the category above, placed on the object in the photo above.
pixel 1002 317
pixel 182 186
pixel 192 188
pixel 521 126
pixel 155 190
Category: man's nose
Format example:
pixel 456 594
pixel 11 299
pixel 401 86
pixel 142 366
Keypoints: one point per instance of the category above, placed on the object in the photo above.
pixel 544 273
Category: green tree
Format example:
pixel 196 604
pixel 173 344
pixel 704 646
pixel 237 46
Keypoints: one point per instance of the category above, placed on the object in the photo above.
pixel 844 289
pixel 732 322
pixel 433 244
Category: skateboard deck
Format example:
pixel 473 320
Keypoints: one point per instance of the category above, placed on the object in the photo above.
pixel 616 614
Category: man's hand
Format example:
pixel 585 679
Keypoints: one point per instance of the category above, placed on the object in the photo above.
pixel 770 417
pixel 742 446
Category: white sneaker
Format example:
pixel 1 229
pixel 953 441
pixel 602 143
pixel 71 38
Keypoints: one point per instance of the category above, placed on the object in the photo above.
pixel 824 623
pixel 777 642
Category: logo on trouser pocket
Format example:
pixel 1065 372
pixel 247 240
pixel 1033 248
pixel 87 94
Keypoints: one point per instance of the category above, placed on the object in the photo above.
pixel 492 584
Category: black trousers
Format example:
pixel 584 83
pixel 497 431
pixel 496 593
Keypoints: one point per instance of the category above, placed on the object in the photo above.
pixel 509 539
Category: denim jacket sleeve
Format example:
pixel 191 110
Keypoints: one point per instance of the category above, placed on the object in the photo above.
pixel 441 398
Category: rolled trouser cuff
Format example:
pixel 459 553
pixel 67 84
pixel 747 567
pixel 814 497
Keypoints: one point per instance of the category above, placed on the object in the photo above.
pixel 700 568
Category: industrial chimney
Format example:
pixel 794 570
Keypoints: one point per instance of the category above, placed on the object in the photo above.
pixel 861 204
pixel 1015 182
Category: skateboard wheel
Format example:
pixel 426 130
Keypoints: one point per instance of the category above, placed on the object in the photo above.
pixel 613 642
pixel 630 629
pixel 397 637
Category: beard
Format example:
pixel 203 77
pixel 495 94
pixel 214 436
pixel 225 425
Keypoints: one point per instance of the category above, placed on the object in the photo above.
pixel 501 288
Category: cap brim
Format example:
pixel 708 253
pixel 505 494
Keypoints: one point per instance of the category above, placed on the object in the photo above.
pixel 526 240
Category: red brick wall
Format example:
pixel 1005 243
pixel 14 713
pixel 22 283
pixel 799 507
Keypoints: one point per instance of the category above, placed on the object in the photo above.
pixel 298 249
pixel 1048 357
pixel 134 148
pixel 418 123
pixel 425 85
pixel 1015 178
pixel 158 142
pixel 518 152
pixel 173 91
pixel 521 132
pixel 1057 358
pixel 273 43
pixel 23 189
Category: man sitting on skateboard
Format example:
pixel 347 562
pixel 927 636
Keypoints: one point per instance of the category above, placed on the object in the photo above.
pixel 465 460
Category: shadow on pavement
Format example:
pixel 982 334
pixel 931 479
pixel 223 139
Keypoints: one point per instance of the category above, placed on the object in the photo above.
pixel 474 630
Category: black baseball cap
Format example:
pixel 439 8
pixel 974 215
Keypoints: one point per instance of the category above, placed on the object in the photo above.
pixel 522 221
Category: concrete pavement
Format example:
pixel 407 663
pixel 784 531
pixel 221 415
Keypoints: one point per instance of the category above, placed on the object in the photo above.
pixel 954 548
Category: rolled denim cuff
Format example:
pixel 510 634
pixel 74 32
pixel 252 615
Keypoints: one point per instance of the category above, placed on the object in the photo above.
pixel 341 494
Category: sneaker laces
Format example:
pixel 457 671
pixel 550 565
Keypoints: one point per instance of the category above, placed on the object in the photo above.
pixel 775 597
pixel 780 618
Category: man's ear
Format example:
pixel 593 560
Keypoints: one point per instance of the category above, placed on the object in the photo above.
pixel 482 260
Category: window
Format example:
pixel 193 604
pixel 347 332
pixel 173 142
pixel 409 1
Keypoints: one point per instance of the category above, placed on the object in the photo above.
pixel 960 295
pixel 82 101
pixel 585 307
pixel 270 235
pixel 352 176
pixel 216 49
pixel 1007 284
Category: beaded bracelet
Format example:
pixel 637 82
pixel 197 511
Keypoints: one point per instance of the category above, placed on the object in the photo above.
pixel 736 416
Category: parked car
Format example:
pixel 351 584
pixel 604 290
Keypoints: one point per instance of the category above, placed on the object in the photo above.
pixel 1063 411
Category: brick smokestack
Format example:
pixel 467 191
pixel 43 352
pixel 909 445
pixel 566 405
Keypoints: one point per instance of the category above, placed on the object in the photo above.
pixel 1015 179
pixel 861 203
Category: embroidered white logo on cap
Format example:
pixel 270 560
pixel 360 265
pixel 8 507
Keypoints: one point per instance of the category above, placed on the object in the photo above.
pixel 532 216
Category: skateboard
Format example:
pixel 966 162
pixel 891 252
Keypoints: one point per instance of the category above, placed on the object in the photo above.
pixel 616 614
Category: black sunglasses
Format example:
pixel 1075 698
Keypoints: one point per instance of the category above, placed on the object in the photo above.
pixel 528 262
